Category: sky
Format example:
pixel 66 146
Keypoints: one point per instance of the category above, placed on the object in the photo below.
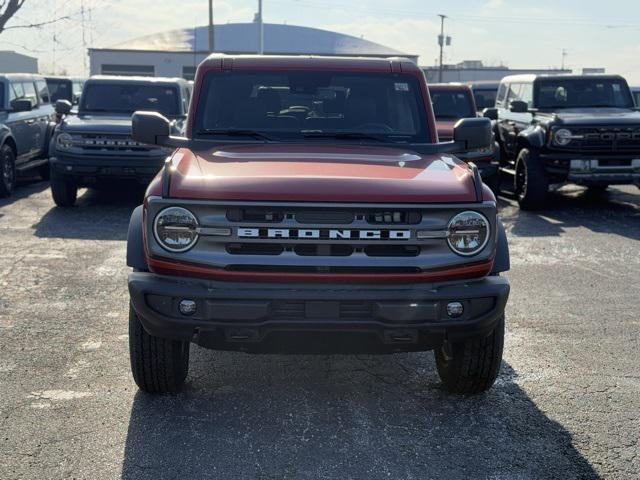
pixel 516 33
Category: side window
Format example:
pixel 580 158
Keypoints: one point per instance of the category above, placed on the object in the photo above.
pixel 514 93
pixel 501 96
pixel 526 94
pixel 16 91
pixel 43 91
pixel 30 93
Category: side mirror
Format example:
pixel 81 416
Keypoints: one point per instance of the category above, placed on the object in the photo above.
pixel 518 106
pixel 21 105
pixel 63 107
pixel 153 128
pixel 473 133
pixel 490 113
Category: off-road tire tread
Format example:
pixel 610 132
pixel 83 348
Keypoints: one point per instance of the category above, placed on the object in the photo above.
pixel 156 364
pixel 475 364
pixel 63 190
pixel 4 193
pixel 537 182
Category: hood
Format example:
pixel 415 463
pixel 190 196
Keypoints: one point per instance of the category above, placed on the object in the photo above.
pixel 445 129
pixel 598 116
pixel 98 124
pixel 290 172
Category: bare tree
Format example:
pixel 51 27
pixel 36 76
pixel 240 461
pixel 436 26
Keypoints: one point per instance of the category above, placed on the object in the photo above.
pixel 8 8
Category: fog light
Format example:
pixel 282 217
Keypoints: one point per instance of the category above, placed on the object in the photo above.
pixel 187 307
pixel 455 309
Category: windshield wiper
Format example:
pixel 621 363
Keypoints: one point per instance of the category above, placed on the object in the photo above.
pixel 349 136
pixel 234 132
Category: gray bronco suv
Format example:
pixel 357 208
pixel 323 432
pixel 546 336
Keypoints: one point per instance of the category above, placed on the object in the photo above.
pixel 26 123
pixel 96 144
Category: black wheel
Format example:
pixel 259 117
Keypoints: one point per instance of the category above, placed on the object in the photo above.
pixel 44 171
pixel 471 366
pixel 7 171
pixel 158 365
pixel 530 183
pixel 63 190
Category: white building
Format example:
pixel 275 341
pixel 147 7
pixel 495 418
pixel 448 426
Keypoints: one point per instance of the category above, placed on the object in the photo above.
pixel 474 70
pixel 12 62
pixel 177 53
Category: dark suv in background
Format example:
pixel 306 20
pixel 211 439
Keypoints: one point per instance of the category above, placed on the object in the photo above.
pixel 65 88
pixel 26 123
pixel 96 144
pixel 451 103
pixel 552 129
pixel 484 93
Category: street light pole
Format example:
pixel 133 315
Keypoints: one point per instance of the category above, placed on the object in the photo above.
pixel 260 29
pixel 211 41
pixel 441 41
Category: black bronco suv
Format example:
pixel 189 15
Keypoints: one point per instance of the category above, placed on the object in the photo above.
pixel 26 123
pixel 96 144
pixel 553 129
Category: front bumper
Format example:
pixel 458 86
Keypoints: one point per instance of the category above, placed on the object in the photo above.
pixel 313 317
pixel 593 169
pixel 87 169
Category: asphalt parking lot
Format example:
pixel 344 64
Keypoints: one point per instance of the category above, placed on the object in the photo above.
pixel 566 405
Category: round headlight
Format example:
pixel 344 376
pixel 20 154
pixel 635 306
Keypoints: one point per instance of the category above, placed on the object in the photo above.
pixel 468 233
pixel 175 229
pixel 64 141
pixel 562 137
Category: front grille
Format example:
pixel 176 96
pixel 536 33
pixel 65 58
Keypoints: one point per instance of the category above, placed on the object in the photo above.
pixel 110 143
pixel 321 238
pixel 605 139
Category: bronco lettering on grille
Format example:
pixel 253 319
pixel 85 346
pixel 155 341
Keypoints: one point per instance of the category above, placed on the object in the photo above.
pixel 323 233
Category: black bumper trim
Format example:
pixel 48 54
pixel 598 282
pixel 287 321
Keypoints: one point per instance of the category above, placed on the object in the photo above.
pixel 242 316
pixel 108 166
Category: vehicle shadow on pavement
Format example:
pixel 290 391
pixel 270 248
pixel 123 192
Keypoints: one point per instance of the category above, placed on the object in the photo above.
pixel 342 417
pixel 98 215
pixel 25 188
pixel 616 212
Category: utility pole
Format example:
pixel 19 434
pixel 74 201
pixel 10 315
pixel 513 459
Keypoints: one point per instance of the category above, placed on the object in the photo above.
pixel 441 42
pixel 260 29
pixel 564 56
pixel 211 42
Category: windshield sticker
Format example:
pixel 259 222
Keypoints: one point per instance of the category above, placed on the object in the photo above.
pixel 402 87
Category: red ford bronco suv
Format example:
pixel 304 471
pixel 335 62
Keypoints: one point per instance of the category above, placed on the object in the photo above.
pixel 310 208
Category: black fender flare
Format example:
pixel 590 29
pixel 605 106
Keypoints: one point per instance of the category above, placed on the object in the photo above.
pixel 502 261
pixel 136 258
pixel 5 134
pixel 532 137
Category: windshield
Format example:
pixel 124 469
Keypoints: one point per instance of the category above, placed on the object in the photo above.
pixel 281 105
pixel 485 97
pixel 59 90
pixel 582 93
pixel 125 98
pixel 451 105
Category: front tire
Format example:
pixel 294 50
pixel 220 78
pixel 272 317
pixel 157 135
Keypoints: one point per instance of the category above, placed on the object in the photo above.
pixel 158 365
pixel 7 171
pixel 63 190
pixel 471 366
pixel 530 182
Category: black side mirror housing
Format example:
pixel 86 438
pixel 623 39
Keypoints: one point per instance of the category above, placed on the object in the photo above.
pixel 518 106
pixel 21 105
pixel 490 113
pixel 63 107
pixel 473 133
pixel 154 128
